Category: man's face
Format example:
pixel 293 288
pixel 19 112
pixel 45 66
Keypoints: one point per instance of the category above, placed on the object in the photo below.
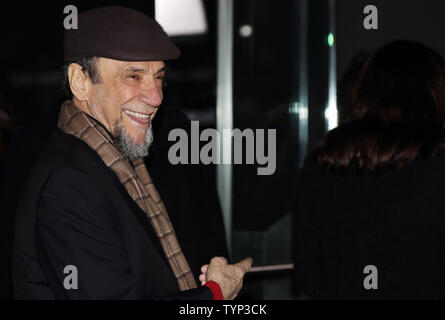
pixel 128 97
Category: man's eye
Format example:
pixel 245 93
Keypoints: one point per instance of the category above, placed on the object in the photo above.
pixel 160 77
pixel 134 77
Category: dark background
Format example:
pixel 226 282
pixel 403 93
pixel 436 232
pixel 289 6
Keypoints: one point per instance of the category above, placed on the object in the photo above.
pixel 408 19
pixel 265 83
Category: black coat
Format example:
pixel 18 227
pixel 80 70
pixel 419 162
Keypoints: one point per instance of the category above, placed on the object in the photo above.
pixel 74 211
pixel 188 192
pixel 394 221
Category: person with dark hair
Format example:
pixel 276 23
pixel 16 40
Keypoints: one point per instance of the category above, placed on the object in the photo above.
pixel 346 84
pixel 369 220
pixel 91 223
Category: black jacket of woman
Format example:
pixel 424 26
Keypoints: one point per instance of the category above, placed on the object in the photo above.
pixel 370 210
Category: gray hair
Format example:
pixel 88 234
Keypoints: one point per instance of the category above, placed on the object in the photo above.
pixel 127 147
pixel 89 65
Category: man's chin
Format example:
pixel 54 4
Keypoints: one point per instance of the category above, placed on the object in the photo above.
pixel 138 141
pixel 133 146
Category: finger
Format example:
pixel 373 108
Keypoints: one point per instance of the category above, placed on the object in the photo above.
pixel 202 278
pixel 218 261
pixel 204 268
pixel 245 264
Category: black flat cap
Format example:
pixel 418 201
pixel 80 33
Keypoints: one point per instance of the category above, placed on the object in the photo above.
pixel 118 33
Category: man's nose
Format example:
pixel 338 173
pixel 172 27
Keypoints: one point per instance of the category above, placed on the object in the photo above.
pixel 151 94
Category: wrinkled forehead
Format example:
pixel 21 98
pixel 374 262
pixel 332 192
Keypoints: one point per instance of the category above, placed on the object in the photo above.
pixel 107 65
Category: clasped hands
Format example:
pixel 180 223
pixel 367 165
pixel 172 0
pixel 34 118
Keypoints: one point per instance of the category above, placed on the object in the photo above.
pixel 228 276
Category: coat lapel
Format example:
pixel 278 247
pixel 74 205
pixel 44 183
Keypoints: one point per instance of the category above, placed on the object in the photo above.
pixel 136 210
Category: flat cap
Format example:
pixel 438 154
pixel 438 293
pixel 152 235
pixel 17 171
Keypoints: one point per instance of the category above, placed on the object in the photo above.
pixel 118 33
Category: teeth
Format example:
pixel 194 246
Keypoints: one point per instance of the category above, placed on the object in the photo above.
pixel 136 114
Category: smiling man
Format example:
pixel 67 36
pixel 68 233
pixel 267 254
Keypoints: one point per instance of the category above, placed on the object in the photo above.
pixel 91 224
pixel 125 99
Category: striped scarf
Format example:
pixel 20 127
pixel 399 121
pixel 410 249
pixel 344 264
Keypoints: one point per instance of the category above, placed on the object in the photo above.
pixel 136 181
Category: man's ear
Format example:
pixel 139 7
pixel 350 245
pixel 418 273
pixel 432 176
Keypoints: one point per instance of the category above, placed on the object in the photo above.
pixel 80 82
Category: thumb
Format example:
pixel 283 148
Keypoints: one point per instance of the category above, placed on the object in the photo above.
pixel 245 264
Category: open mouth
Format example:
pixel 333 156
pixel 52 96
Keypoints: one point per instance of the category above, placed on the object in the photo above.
pixel 140 118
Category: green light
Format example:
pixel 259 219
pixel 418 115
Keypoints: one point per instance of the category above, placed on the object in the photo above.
pixel 330 39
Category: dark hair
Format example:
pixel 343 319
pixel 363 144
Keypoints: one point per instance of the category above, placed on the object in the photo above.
pixel 89 65
pixel 398 111
pixel 347 83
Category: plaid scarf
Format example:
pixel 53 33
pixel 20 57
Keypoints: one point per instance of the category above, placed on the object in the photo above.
pixel 136 181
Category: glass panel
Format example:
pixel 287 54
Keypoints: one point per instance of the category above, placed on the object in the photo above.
pixel 277 44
